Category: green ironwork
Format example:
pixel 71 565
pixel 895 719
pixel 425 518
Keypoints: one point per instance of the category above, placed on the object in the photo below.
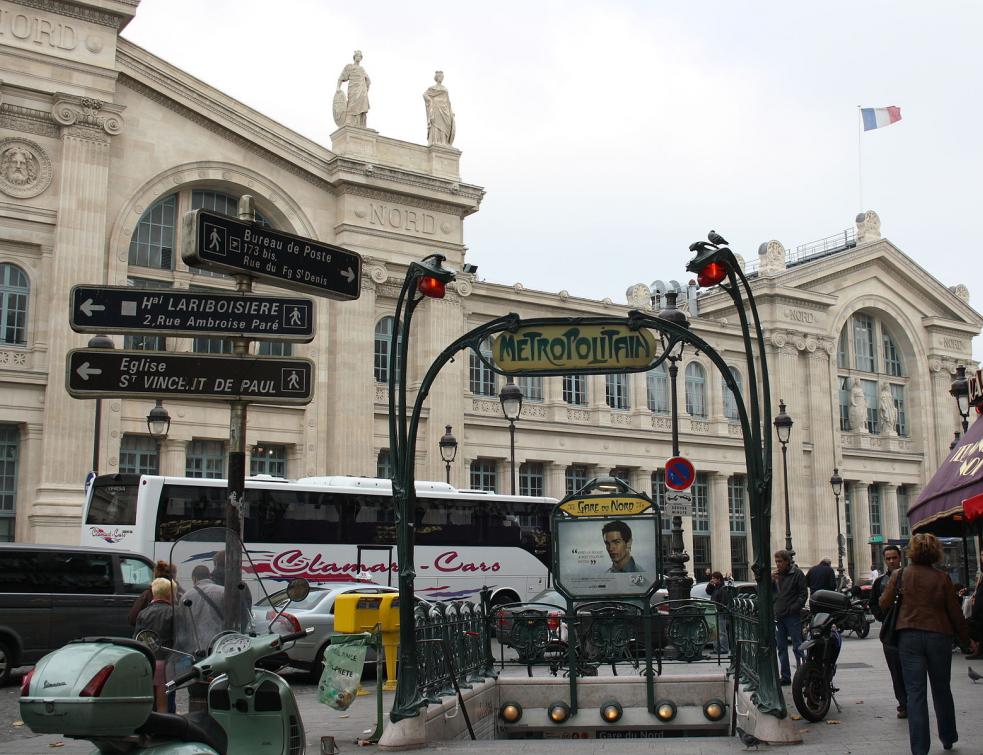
pixel 744 627
pixel 687 629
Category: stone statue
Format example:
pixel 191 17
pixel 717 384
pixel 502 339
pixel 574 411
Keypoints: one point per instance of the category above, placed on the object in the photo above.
pixel 440 117
pixel 868 226
pixel 858 408
pixel 772 258
pixel 887 412
pixel 351 111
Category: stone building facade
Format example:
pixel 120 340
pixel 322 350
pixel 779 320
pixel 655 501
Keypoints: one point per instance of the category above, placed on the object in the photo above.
pixel 104 147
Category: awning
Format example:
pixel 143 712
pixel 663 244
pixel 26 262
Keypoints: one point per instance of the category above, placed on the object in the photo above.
pixel 939 509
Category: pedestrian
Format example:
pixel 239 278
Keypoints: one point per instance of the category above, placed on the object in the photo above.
pixel 202 616
pixel 720 593
pixel 821 576
pixel 158 616
pixel 928 618
pixel 161 569
pixel 973 611
pixel 790 598
pixel 892 562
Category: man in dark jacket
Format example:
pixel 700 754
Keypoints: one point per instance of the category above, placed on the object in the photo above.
pixel 892 562
pixel 821 577
pixel 790 598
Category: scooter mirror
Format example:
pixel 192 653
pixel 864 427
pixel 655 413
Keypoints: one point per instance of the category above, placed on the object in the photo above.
pixel 298 589
pixel 150 638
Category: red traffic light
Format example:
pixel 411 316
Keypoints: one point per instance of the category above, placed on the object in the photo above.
pixel 432 287
pixel 711 275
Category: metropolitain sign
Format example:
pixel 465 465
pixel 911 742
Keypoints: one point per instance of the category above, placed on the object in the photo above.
pixel 586 347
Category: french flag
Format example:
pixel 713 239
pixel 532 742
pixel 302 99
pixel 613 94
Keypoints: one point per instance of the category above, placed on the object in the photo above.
pixel 876 117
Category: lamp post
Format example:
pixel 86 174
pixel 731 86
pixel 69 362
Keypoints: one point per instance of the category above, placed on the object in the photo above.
pixel 955 440
pixel 511 398
pixel 959 390
pixel 783 427
pixel 836 483
pixel 98 342
pixel 448 450
pixel 158 425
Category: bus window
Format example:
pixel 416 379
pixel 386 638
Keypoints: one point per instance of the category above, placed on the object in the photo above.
pixel 185 508
pixel 113 504
pixel 292 516
pixel 371 519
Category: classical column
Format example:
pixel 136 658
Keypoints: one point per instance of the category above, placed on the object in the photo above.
pixel 173 456
pixel 556 479
pixel 78 257
pixel 889 512
pixel 816 506
pixel 861 531
pixel 784 381
pixel 720 555
pixel 940 413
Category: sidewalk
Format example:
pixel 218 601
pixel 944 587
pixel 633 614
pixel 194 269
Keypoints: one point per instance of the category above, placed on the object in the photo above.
pixel 866 725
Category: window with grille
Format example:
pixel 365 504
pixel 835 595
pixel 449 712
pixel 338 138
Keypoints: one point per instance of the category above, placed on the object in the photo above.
pixel 905 526
pixel 657 388
pixel 892 357
pixel 575 390
pixel 268 459
pixel 574 477
pixel 138 455
pixel 701 503
pixel 616 391
pixel 863 342
pixel 384 465
pixel 659 497
pixel 870 396
pixel 9 452
pixel 15 291
pixel 225 204
pixel 531 387
pixel 383 343
pixel 874 505
pixel 730 402
pixel 146 342
pixel 204 345
pixel 848 516
pixel 844 392
pixel 205 458
pixel 737 504
pixel 901 424
pixel 532 478
pixel 274 349
pixel 484 475
pixel 843 350
pixel 696 400
pixel 482 378
pixel 152 243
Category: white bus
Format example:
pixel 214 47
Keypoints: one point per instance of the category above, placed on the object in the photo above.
pixel 326 528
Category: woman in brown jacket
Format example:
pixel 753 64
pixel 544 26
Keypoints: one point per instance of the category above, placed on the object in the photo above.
pixel 928 619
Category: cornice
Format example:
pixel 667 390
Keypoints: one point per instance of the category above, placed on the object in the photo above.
pixel 368 192
pixel 28 120
pixel 470 196
pixel 84 13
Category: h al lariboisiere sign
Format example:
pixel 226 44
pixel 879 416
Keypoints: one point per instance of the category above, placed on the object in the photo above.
pixel 551 348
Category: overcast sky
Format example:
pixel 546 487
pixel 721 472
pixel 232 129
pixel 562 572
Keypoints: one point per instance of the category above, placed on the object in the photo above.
pixel 609 135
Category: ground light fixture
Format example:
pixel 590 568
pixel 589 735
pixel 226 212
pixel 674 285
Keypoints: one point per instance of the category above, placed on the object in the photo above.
pixel 665 710
pixel 714 709
pixel 558 712
pixel 510 713
pixel 611 711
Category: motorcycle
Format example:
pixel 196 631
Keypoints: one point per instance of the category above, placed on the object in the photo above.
pixel 812 684
pixel 102 689
pixel 856 617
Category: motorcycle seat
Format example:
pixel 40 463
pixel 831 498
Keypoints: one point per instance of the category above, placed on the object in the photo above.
pixel 193 727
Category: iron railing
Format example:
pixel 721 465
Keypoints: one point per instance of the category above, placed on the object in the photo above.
pixel 744 627
pixel 838 242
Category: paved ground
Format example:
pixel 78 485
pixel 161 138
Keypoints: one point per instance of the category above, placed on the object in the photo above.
pixel 866 725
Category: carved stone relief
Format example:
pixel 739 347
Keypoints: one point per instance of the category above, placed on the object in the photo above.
pixel 772 255
pixel 25 168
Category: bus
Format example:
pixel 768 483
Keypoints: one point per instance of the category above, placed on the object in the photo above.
pixel 338 529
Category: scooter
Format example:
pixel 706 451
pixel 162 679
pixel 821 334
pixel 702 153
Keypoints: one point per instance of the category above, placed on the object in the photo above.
pixel 102 688
pixel 812 684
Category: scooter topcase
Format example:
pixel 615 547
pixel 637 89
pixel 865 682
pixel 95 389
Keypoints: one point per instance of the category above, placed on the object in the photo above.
pixel 829 601
pixel 92 687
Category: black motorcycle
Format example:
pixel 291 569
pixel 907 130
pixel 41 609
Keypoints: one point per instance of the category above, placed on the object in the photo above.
pixel 856 617
pixel 812 685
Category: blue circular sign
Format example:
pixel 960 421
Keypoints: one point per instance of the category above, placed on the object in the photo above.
pixel 680 473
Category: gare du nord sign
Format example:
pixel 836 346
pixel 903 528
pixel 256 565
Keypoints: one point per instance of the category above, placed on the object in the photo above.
pixel 581 347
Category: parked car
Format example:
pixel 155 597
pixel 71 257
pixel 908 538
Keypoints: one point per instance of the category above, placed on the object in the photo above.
pixel 53 594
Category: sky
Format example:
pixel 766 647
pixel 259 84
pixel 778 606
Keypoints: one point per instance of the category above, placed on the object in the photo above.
pixel 610 135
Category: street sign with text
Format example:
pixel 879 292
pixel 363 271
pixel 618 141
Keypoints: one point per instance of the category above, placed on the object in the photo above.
pixel 98 373
pixel 678 503
pixel 161 311
pixel 218 242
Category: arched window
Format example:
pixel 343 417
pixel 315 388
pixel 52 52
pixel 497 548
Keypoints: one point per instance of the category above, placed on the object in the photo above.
pixel 14 293
pixel 657 383
pixel 383 340
pixel 730 401
pixel 696 390
pixel 482 377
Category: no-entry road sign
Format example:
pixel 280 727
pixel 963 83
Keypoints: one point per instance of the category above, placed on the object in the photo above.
pixel 122 309
pixel 219 242
pixel 680 473
pixel 96 373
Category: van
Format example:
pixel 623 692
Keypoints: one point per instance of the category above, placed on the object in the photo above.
pixel 53 594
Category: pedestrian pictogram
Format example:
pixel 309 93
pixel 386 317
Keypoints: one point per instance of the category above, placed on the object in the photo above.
pixel 680 473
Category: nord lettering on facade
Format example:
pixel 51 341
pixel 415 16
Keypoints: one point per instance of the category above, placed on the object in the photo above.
pixel 953 343
pixel 799 315
pixel 402 219
pixel 547 349
pixel 36 30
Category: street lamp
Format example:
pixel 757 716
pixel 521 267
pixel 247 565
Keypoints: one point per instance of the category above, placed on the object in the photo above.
pixel 959 390
pixel 158 425
pixel 511 398
pixel 783 426
pixel 448 450
pixel 98 342
pixel 955 440
pixel 836 483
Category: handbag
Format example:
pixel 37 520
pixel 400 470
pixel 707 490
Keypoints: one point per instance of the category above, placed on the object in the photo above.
pixel 889 626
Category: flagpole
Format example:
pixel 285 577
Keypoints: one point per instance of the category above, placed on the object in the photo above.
pixel 860 164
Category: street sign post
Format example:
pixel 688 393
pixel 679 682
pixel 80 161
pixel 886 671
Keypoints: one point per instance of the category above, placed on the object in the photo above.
pixel 680 473
pixel 98 373
pixel 218 242
pixel 678 503
pixel 180 312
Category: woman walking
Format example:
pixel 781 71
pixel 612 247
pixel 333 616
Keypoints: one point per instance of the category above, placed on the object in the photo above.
pixel 928 619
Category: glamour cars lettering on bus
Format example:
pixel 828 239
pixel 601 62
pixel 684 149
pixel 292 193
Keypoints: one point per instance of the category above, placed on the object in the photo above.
pixel 110 535
pixel 295 563
pixel 586 346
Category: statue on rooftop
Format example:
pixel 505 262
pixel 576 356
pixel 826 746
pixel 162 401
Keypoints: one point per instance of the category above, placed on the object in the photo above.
pixel 440 117
pixel 352 110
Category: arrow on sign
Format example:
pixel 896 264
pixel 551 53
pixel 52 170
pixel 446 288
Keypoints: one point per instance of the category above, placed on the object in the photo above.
pixel 84 370
pixel 348 275
pixel 88 307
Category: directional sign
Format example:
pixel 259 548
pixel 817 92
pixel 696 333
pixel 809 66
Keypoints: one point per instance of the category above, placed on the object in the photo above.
pixel 606 505
pixel 680 473
pixel 678 503
pixel 96 373
pixel 122 309
pixel 218 242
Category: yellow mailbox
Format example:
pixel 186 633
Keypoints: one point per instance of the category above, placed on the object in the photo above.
pixel 389 625
pixel 364 613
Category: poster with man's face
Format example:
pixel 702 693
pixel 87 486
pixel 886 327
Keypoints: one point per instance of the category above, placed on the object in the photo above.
pixel 604 557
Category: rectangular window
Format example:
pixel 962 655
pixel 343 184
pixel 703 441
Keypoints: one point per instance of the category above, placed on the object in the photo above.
pixel 152 243
pixel 737 504
pixel 212 346
pixel 863 342
pixel 575 477
pixel 532 478
pixel 874 505
pixel 892 359
pixel 275 349
pixel 844 402
pixel 481 376
pixel 701 556
pixel 531 387
pixel 271 460
pixel 870 396
pixel 901 425
pixel 205 458
pixel 657 382
pixel 701 503
pixel 842 350
pixel 848 516
pixel 138 455
pixel 575 389
pixel 738 557
pixel 384 465
pixel 903 523
pixel 9 447
pixel 484 475
pixel 616 391
pixel 659 497
pixel 146 342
